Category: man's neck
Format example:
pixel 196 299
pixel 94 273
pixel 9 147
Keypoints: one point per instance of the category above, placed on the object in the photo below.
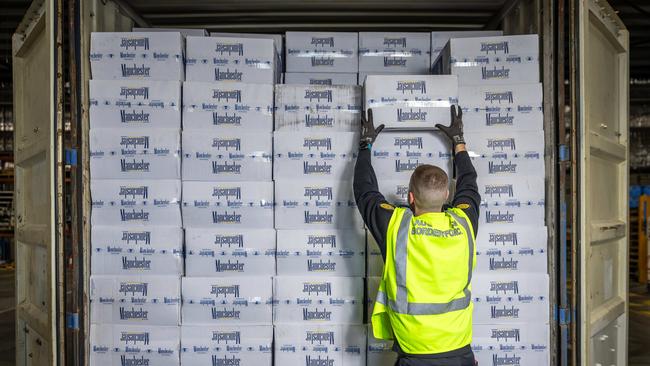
pixel 419 212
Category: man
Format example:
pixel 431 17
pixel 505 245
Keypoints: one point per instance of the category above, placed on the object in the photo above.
pixel 424 298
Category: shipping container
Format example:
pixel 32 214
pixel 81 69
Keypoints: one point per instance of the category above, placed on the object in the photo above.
pixel 584 72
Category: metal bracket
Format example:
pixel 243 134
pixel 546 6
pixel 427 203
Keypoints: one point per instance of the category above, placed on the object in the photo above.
pixel 72 320
pixel 71 157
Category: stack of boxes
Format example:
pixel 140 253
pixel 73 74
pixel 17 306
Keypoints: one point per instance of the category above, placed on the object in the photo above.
pixel 136 237
pixel 318 313
pixel 391 53
pixel 322 58
pixel 501 97
pixel 228 201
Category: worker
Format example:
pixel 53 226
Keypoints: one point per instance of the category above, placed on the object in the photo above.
pixel 424 298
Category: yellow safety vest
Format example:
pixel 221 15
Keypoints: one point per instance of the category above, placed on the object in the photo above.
pixel 424 298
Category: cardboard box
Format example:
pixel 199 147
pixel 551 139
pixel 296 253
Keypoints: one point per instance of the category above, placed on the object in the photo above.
pixel 511 259
pixel 510 298
pixel 395 191
pixel 520 335
pixel 510 355
pixel 379 352
pixel 146 300
pixel 150 250
pixel 228 204
pixel 278 41
pixel 404 52
pixel 320 78
pixel 227 345
pixel 395 155
pixel 411 100
pixel 512 143
pixel 227 301
pixel 335 52
pixel 503 164
pixel 372 286
pixel 134 345
pixel 247 60
pixel 321 252
pixel 135 103
pixel 314 156
pixel 374 259
pixel 440 39
pixel 364 74
pixel 228 252
pixel 503 189
pixel 513 213
pixel 319 205
pixel 217 156
pixel 342 345
pixel 136 202
pixel 502 236
pixel 135 153
pixel 227 105
pixel 491 60
pixel 318 300
pixel 196 32
pixel 142 55
pixel 306 107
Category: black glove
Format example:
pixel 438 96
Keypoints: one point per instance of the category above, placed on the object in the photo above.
pixel 368 131
pixel 455 129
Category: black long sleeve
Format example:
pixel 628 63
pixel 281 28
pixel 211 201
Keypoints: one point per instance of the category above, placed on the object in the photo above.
pixel 374 208
pixel 467 196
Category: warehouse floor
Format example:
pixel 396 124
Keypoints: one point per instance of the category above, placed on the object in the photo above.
pixel 639 333
pixel 7 317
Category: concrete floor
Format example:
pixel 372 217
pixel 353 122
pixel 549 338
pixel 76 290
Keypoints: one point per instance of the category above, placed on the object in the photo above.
pixel 7 317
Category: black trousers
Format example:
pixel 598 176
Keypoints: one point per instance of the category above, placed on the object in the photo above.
pixel 466 359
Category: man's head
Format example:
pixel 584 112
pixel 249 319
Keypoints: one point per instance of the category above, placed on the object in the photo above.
pixel 428 189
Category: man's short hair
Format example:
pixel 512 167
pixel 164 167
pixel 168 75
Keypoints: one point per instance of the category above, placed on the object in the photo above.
pixel 429 185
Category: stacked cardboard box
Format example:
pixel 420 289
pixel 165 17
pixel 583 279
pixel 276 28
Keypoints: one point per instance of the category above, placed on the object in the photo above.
pixel 136 235
pixel 322 58
pixel 389 53
pixel 501 97
pixel 228 202
pixel 318 312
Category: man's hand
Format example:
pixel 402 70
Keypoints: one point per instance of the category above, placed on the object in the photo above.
pixel 455 129
pixel 368 131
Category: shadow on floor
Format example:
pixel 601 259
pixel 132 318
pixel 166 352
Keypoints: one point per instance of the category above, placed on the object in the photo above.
pixel 639 327
pixel 7 318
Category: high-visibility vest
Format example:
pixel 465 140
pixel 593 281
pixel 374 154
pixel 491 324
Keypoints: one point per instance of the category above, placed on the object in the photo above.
pixel 424 298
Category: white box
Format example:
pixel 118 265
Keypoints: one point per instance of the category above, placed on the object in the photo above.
pixel 321 252
pixel 395 191
pixel 511 260
pixel 134 103
pixel 440 39
pixel 135 153
pixel 513 143
pixel 491 60
pixel 278 41
pixel 503 189
pixel 247 60
pixel 379 352
pixel 502 236
pixel 233 156
pixel 305 107
pixel 506 108
pixel 395 155
pixel 318 300
pixel 520 335
pixel 513 213
pixel 228 204
pixel 411 100
pixel 314 155
pixel 227 345
pixel 142 55
pixel 227 301
pixel 374 259
pixel 135 202
pixel 151 250
pixel 510 298
pixel 372 286
pixel 228 252
pixel 150 300
pixel 227 105
pixel 320 78
pixel 503 164
pixel 364 74
pixel 320 205
pixel 342 345
pixel 183 31
pixel 510 355
pixel 322 52
pixel 134 345
pixel 408 52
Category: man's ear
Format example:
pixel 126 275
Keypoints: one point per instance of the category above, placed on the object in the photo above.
pixel 411 198
pixel 447 195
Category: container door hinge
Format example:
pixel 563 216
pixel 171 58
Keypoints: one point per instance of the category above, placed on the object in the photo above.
pixel 563 152
pixel 71 157
pixel 72 320
pixel 564 316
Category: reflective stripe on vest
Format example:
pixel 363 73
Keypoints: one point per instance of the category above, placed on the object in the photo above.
pixel 401 305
